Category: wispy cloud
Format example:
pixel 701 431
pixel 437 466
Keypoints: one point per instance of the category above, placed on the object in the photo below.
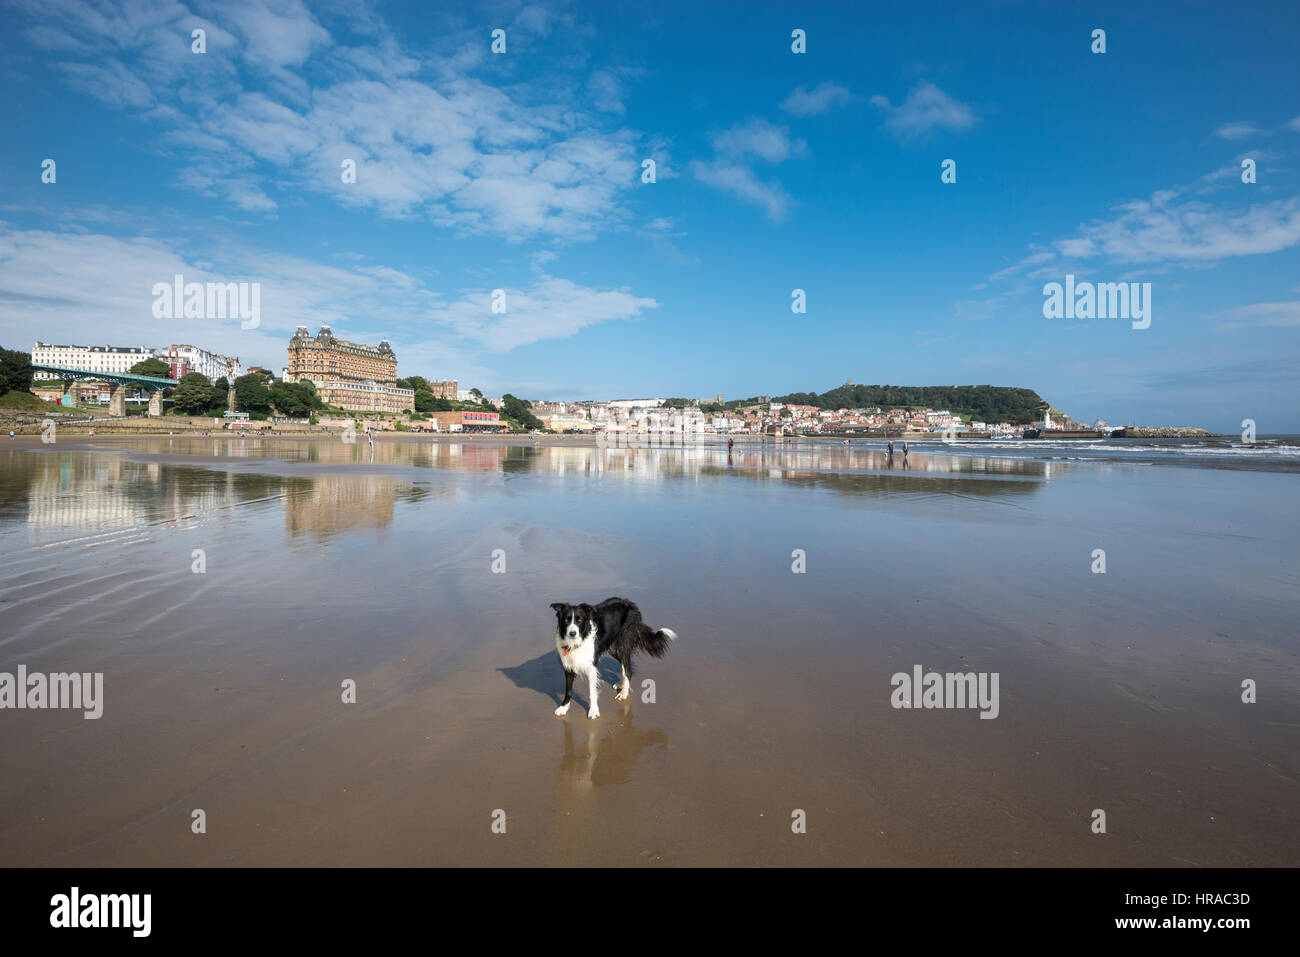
pixel 662 231
pixel 607 88
pixel 1165 229
pixel 1236 131
pixel 741 181
pixel 731 169
pixel 1173 227
pixel 927 109
pixel 759 138
pixel 97 288
pixel 1263 314
pixel 549 308
pixel 822 98
pixel 510 160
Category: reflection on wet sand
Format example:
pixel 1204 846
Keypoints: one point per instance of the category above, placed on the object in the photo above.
pixel 605 752
pixel 100 494
pixel 97 491
pixel 648 461
pixel 326 560
pixel 97 494
pixel 333 503
pixel 596 755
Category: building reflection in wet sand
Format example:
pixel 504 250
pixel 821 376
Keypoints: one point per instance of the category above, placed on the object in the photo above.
pixel 123 489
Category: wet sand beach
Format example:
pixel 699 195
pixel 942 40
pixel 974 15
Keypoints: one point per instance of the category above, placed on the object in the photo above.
pixel 324 561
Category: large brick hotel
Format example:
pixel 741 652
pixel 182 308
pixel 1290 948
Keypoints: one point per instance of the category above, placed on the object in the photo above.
pixel 349 375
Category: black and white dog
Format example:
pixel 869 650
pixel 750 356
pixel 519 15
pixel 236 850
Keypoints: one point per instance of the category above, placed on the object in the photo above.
pixel 613 627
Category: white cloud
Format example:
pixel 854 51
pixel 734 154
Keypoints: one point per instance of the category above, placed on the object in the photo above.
pixel 606 92
pixel 94 288
pixel 661 232
pixel 512 161
pixel 1265 314
pixel 757 137
pixel 550 308
pixel 1236 131
pixel 741 181
pixel 926 109
pixel 1172 228
pixel 730 170
pixel 822 98
pixel 109 82
pixel 1033 259
pixel 1163 229
pixel 281 33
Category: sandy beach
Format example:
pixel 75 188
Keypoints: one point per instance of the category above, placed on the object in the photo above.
pixel 324 562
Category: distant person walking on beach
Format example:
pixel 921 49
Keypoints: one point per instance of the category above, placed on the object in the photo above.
pixel 904 453
pixel 730 443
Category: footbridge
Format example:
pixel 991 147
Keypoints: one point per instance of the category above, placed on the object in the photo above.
pixel 119 382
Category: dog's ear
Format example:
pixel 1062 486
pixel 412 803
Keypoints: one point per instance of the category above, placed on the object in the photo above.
pixel 558 606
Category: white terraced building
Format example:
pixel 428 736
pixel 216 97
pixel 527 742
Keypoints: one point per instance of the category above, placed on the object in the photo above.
pixel 214 365
pixel 92 358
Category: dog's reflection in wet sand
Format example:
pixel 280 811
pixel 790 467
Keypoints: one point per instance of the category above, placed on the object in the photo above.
pixel 600 754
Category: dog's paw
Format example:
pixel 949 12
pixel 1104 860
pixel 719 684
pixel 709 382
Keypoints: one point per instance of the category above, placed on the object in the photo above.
pixel 622 694
pixel 562 710
pixel 593 713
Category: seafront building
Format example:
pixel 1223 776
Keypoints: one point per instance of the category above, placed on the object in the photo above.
pixel 180 360
pixel 350 375
pixel 184 359
pixel 449 389
pixel 115 359
pixel 468 421
pixel 560 421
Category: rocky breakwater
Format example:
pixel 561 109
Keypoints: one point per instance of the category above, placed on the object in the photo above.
pixel 1161 432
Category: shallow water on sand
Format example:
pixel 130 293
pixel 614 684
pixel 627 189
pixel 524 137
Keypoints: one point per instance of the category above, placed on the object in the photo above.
pixel 423 570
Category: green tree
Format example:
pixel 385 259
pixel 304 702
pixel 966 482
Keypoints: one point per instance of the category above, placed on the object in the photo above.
pixel 251 394
pixel 476 394
pixel 419 383
pixel 521 411
pixel 15 371
pixel 307 389
pixel 153 366
pixel 287 399
pixel 424 401
pixel 194 394
pixel 985 402
pixel 219 392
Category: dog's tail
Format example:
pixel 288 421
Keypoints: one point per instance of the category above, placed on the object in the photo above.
pixel 654 643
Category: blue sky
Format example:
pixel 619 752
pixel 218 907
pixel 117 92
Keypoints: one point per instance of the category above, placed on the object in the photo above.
pixel 775 171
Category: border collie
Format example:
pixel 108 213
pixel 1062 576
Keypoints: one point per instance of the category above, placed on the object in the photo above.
pixel 613 627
